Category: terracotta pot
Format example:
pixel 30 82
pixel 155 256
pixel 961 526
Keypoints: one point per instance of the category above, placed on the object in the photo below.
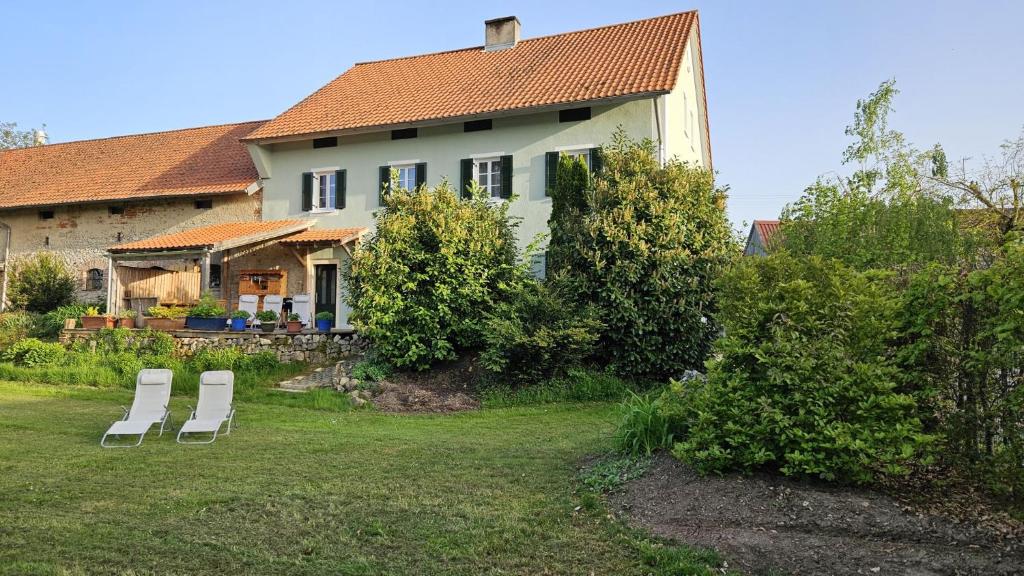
pixel 294 326
pixel 126 323
pixel 97 322
pixel 166 324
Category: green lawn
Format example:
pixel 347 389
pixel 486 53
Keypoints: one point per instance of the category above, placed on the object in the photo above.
pixel 301 491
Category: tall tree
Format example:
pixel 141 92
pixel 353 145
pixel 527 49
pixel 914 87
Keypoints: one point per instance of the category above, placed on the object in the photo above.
pixel 12 137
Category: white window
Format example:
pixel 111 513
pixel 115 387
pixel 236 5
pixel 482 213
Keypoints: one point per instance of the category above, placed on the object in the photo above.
pixel 487 173
pixel 326 196
pixel 406 177
pixel 539 265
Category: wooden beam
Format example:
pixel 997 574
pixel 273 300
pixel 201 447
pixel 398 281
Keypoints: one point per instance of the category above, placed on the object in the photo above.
pixel 111 297
pixel 204 273
pixel 168 255
pixel 225 277
pixel 298 256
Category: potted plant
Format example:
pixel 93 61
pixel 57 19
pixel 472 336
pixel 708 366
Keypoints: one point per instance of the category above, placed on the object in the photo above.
pixel 324 321
pixel 294 323
pixel 166 317
pixel 238 318
pixel 126 319
pixel 268 320
pixel 93 320
pixel 206 315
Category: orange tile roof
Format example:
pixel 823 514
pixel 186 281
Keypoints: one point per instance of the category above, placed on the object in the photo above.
pixel 193 161
pixel 324 236
pixel 631 59
pixel 216 236
pixel 766 229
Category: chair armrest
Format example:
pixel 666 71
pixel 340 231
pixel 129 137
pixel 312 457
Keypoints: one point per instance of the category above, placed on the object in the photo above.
pixel 126 412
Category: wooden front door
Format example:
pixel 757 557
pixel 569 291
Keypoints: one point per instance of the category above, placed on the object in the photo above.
pixel 326 297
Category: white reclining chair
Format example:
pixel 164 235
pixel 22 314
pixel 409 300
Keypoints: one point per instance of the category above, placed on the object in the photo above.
pixel 216 389
pixel 152 398
pixel 301 306
pixel 273 302
pixel 249 303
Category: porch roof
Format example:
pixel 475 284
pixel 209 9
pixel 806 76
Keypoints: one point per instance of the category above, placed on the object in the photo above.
pixel 324 236
pixel 216 237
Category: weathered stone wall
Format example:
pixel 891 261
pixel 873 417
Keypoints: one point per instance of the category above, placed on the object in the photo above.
pixel 82 233
pixel 315 348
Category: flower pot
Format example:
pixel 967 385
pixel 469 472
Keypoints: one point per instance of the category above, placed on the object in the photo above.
pixel 97 322
pixel 206 324
pixel 126 323
pixel 294 326
pixel 324 325
pixel 165 324
pixel 238 324
pixel 268 327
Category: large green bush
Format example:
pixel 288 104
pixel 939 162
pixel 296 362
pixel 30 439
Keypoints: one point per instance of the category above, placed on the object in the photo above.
pixel 33 352
pixel 538 335
pixel 40 283
pixel 436 266
pixel 645 253
pixel 804 382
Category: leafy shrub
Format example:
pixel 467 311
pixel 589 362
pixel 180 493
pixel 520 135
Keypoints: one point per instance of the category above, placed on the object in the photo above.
pixel 40 283
pixel 578 385
pixel 371 369
pixel 804 382
pixel 436 265
pixel 167 311
pixel 264 361
pixel 538 335
pixel 324 316
pixel 208 308
pixel 32 352
pixel 645 252
pixel 16 325
pixel 53 321
pixel 240 314
pixel 216 359
pixel 643 428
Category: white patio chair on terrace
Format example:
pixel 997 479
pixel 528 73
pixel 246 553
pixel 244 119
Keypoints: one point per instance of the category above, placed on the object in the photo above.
pixel 301 306
pixel 273 302
pixel 150 406
pixel 216 389
pixel 249 303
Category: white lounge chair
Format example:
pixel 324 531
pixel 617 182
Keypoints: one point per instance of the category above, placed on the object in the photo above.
pixel 301 306
pixel 249 303
pixel 273 302
pixel 152 397
pixel 216 389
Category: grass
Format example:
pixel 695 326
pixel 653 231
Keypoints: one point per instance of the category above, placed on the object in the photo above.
pixel 578 385
pixel 301 491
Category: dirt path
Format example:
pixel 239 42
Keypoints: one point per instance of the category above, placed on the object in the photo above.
pixel 770 525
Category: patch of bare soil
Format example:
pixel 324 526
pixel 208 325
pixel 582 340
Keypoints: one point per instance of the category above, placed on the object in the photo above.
pixel 767 524
pixel 445 388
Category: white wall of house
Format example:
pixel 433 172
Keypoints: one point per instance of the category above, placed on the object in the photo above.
pixel 685 128
pixel 526 138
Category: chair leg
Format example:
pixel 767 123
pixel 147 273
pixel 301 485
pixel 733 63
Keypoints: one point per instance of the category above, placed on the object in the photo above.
pixel 103 442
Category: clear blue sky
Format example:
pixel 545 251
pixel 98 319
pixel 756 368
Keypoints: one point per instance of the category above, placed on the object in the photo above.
pixel 782 77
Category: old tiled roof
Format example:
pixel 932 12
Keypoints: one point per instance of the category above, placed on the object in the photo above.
pixel 217 236
pixel 193 161
pixel 624 60
pixel 324 236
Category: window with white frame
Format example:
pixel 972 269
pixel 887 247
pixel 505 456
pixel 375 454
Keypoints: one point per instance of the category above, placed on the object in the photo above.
pixel 406 176
pixel 583 154
pixel 326 190
pixel 487 173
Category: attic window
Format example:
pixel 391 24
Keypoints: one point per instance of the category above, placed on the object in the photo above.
pixel 204 204
pixel 477 125
pixel 404 134
pixel 329 142
pixel 46 214
pixel 116 210
pixel 574 114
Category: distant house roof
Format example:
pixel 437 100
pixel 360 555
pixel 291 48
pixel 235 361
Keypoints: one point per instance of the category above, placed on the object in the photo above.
pixel 325 236
pixel 216 237
pixel 634 59
pixel 189 162
pixel 761 236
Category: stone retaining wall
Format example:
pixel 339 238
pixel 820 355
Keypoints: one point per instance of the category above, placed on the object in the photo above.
pixel 312 347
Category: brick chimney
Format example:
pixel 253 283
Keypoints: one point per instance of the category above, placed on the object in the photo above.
pixel 501 33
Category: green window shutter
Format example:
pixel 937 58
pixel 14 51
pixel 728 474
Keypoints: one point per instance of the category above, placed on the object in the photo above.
pixel 466 176
pixel 550 171
pixel 340 185
pixel 506 177
pixel 421 174
pixel 595 160
pixel 307 191
pixel 384 183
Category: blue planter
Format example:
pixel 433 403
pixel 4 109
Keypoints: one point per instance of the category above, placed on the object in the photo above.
pixel 324 325
pixel 208 324
pixel 238 324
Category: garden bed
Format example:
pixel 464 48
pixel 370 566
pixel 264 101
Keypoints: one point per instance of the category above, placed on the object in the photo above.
pixel 763 523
